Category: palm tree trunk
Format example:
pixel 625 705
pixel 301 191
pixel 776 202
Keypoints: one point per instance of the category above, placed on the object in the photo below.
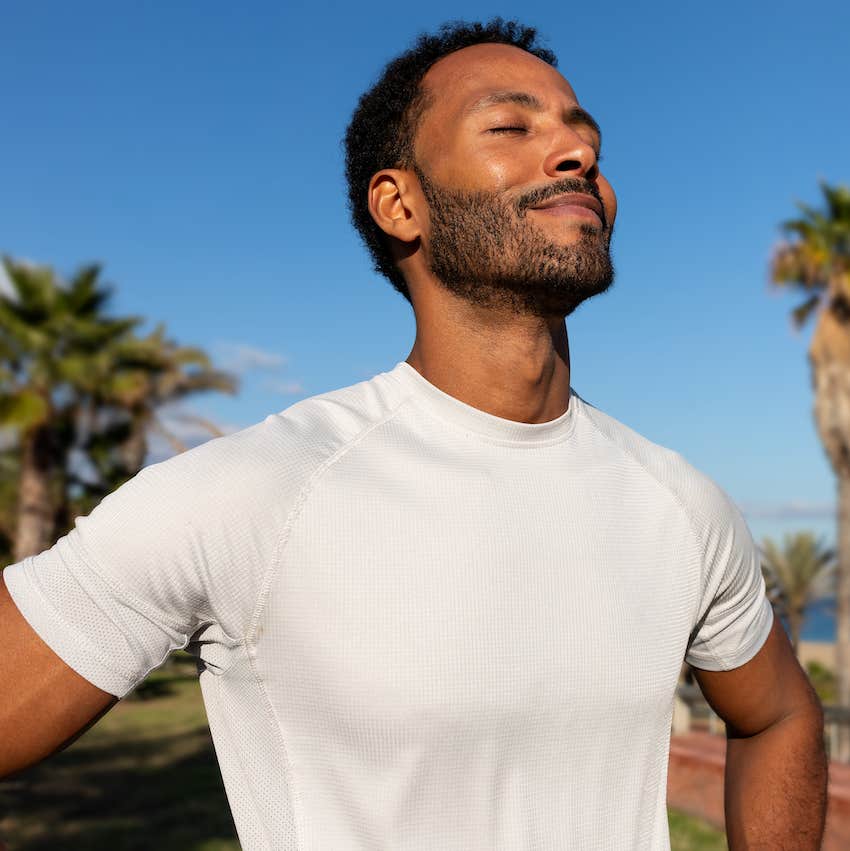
pixel 35 522
pixel 842 613
pixel 829 357
pixel 794 622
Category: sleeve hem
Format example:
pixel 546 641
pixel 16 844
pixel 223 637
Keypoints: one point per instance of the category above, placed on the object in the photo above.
pixel 64 640
pixel 747 651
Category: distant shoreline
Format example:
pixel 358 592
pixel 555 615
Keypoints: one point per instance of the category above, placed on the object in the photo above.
pixel 818 625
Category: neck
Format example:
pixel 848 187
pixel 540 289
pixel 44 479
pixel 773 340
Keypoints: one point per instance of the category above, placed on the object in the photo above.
pixel 514 367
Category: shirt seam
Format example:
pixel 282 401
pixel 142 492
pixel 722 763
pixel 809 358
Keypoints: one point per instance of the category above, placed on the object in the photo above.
pixel 262 599
pixel 293 786
pixel 678 500
pixel 224 718
pixel 294 513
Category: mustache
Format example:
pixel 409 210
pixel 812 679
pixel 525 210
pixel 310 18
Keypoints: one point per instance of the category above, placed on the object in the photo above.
pixel 562 187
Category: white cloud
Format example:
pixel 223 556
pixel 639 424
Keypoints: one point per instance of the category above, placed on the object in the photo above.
pixel 282 387
pixel 791 510
pixel 187 427
pixel 242 358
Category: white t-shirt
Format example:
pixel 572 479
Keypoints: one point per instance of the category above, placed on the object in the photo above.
pixel 421 626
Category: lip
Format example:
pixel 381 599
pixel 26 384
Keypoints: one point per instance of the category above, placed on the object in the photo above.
pixel 572 203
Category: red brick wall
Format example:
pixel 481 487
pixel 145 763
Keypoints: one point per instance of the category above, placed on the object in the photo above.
pixel 695 786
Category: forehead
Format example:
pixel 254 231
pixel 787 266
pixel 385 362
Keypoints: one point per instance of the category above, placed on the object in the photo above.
pixel 460 79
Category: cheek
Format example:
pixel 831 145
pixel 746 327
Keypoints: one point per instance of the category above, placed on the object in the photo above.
pixel 609 200
pixel 474 169
pixel 500 174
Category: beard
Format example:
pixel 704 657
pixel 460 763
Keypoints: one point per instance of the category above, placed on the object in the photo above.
pixel 484 250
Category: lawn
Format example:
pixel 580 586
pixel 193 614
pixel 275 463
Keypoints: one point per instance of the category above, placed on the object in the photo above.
pixel 146 777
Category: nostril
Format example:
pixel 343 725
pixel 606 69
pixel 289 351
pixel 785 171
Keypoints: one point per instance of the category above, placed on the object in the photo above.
pixel 568 165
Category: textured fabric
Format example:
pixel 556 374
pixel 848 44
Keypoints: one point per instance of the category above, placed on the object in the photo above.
pixel 420 626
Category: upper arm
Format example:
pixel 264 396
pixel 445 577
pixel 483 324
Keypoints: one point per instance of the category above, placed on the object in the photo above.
pixel 44 704
pixel 761 692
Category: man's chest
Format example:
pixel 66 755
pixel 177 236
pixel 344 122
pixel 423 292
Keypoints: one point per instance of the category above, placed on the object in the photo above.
pixel 490 595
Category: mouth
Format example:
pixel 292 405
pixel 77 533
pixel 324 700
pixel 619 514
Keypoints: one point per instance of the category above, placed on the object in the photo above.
pixel 574 205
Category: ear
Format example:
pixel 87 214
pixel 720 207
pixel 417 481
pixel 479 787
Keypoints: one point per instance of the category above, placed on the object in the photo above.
pixel 396 203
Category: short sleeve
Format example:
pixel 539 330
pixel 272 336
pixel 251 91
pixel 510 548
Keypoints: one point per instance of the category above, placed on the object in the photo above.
pixel 180 546
pixel 735 614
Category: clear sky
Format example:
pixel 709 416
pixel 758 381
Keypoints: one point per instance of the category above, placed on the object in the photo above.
pixel 194 149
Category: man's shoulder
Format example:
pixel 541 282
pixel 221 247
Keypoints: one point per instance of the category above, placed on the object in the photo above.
pixel 287 446
pixel 337 417
pixel 699 495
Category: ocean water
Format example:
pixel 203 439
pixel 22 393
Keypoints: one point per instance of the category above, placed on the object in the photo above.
pixel 819 623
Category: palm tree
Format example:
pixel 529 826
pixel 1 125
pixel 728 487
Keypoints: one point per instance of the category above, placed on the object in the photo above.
pixel 125 404
pixel 801 571
pixel 815 259
pixel 171 373
pixel 75 385
pixel 49 337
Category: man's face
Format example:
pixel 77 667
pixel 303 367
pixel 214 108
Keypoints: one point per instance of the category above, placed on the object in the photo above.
pixel 519 216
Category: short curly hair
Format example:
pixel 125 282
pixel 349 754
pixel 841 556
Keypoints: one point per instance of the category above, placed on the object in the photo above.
pixel 383 126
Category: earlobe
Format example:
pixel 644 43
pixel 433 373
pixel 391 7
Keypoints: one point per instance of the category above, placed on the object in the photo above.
pixel 392 204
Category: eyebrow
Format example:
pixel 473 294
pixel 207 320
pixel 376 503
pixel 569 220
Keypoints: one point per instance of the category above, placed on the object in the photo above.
pixel 574 115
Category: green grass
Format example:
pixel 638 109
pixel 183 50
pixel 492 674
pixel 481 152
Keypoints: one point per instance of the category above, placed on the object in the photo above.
pixel 145 776
pixel 690 834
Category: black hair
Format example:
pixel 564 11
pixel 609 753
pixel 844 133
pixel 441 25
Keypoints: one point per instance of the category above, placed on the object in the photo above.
pixel 383 126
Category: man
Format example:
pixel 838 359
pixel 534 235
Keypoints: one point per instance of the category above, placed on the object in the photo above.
pixel 445 608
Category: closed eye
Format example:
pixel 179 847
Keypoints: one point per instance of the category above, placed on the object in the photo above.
pixel 507 129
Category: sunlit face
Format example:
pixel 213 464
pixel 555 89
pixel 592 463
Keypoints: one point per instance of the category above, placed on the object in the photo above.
pixel 519 215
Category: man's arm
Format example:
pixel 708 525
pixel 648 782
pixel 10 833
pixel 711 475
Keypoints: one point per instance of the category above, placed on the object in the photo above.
pixel 44 704
pixel 776 766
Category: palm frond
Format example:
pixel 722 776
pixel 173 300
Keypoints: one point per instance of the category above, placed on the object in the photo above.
pixel 814 254
pixel 801 313
pixel 801 569
pixel 23 410
pixel 34 286
pixel 85 295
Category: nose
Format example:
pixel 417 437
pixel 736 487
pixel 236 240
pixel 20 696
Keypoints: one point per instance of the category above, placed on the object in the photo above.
pixel 570 154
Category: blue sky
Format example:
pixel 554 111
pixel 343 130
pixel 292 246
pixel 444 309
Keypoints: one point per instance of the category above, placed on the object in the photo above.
pixel 193 148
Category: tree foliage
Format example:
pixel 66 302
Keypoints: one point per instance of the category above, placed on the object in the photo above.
pixel 814 256
pixel 795 574
pixel 80 392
